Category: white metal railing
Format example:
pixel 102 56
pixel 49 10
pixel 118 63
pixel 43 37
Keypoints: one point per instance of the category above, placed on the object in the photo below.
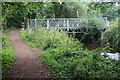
pixel 68 24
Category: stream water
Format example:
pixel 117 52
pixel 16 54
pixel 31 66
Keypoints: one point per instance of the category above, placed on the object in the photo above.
pixel 115 56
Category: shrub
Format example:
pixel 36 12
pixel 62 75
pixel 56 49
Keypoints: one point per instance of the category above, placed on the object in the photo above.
pixel 7 54
pixel 91 30
pixel 112 36
pixel 82 64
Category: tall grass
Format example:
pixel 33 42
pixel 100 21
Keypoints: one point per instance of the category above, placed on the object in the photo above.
pixel 51 38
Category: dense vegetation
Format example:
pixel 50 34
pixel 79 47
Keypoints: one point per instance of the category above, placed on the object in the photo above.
pixel 19 12
pixel 65 55
pixel 50 38
pixel 112 36
pixel 15 12
pixel 92 32
pixel 66 58
pixel 7 54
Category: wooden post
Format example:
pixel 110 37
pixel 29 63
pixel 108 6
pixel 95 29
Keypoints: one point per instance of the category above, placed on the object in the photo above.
pixel 25 26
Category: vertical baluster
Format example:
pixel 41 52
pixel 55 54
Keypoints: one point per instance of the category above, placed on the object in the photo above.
pixel 64 23
pixel 58 23
pixel 67 25
pixel 48 25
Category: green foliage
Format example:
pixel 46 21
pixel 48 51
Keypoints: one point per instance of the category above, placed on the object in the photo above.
pixel 35 50
pixel 7 54
pixel 67 59
pixel 23 35
pixel 107 48
pixel 13 14
pixel 91 30
pixel 82 64
pixel 111 13
pixel 47 38
pixel 38 9
pixel 112 36
pixel 103 9
pixel 69 10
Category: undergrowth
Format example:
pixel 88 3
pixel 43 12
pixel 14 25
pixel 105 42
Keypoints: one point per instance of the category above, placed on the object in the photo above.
pixel 66 58
pixel 7 54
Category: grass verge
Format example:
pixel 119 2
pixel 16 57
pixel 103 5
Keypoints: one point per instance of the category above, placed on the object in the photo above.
pixel 7 54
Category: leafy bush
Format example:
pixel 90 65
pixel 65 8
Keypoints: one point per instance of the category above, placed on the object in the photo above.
pixel 7 54
pixel 82 64
pixel 112 36
pixel 91 30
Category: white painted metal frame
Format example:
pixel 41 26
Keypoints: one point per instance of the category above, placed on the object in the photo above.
pixel 73 24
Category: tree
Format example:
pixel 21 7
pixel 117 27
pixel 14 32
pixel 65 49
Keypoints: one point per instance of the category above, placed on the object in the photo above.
pixel 69 9
pixel 13 14
pixel 103 9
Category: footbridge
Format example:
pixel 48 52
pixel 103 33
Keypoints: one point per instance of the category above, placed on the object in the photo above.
pixel 71 25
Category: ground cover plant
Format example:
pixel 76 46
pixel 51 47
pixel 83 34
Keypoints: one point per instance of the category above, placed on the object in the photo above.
pixel 7 54
pixel 66 58
pixel 82 64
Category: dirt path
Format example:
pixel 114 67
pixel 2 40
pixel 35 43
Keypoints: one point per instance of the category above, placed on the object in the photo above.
pixel 26 62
